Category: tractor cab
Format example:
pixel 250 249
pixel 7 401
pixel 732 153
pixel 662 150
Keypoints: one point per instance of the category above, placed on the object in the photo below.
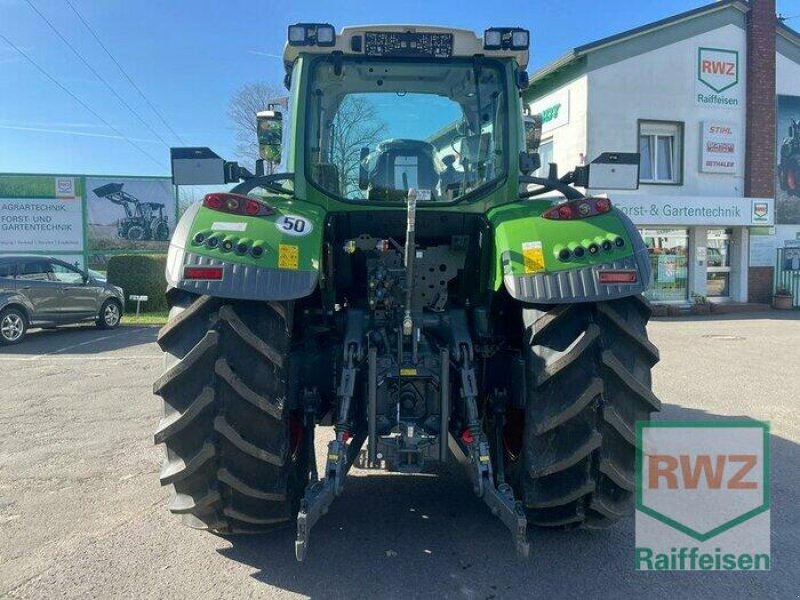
pixel 393 108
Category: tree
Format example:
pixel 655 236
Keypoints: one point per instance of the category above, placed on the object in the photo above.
pixel 246 102
pixel 355 126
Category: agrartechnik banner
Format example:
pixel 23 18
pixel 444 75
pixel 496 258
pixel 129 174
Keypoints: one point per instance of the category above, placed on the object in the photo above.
pixel 41 213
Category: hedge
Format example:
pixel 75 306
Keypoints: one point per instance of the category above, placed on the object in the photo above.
pixel 141 275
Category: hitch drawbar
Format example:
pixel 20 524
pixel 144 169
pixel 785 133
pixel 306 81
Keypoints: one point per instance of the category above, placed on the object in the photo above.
pixel 500 499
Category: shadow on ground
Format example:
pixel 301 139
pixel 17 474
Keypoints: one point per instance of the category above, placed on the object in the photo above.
pixel 404 536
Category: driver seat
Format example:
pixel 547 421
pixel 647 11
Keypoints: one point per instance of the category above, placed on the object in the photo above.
pixel 415 158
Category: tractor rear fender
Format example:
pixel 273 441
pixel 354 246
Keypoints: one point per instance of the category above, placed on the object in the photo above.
pixel 273 257
pixel 530 258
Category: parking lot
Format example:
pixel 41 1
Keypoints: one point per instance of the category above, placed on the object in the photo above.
pixel 82 514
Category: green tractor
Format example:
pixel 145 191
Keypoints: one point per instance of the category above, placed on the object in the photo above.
pixel 409 282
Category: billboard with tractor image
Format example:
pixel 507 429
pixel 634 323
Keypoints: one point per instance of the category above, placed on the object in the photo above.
pixel 129 214
pixel 787 192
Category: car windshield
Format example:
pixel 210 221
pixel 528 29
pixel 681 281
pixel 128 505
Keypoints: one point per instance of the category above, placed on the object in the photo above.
pixel 377 128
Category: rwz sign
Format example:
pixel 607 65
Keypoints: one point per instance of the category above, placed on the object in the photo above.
pixel 718 69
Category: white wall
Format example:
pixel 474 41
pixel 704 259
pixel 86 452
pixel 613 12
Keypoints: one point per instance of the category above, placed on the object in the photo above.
pixel 661 85
pixel 787 76
pixel 569 140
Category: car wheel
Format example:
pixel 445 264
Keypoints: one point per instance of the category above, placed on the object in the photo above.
pixel 13 326
pixel 110 315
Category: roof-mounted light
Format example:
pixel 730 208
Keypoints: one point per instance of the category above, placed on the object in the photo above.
pixel 506 38
pixel 312 34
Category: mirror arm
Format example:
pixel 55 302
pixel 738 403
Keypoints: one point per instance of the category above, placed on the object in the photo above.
pixel 267 182
pixel 550 185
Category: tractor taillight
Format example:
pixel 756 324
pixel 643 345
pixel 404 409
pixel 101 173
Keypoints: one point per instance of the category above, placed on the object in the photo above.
pixel 578 209
pixel 617 277
pixel 204 273
pixel 236 204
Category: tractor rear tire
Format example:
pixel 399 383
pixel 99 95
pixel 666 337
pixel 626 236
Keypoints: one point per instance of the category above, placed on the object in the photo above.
pixel 136 233
pixel 588 383
pixel 235 454
pixel 791 177
pixel 161 231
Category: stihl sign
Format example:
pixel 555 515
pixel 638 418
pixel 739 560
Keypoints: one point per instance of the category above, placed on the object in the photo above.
pixel 718 69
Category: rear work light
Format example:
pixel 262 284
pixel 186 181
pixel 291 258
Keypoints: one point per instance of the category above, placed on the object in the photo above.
pixel 204 273
pixel 311 34
pixel 506 38
pixel 578 209
pixel 236 204
pixel 617 277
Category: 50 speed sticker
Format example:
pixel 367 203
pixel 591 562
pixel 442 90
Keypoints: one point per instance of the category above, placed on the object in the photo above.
pixel 294 225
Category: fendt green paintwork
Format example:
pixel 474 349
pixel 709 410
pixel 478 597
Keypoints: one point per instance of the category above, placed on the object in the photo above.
pixel 407 280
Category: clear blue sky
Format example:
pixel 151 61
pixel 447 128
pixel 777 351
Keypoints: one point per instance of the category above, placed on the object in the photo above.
pixel 190 57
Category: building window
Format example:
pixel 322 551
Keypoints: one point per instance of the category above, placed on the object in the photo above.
pixel 661 150
pixel 546 156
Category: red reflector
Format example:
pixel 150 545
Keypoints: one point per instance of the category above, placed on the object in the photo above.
pixel 578 209
pixel 252 207
pixel 466 437
pixel 213 201
pixel 236 204
pixel 208 273
pixel 602 205
pixel 617 277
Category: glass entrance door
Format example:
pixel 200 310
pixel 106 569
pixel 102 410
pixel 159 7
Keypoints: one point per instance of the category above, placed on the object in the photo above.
pixel 669 260
pixel 718 263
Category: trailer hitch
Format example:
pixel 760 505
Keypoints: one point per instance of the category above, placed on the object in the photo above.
pixel 473 450
pixel 320 494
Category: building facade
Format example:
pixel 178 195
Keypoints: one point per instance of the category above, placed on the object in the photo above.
pixel 696 96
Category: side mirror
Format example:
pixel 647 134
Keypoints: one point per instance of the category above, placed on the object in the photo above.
pixel 363 168
pixel 533 132
pixel 197 166
pixel 270 133
pixel 611 171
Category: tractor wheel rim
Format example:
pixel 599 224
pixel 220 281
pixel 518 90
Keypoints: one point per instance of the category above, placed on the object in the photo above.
pixel 111 314
pixel 11 327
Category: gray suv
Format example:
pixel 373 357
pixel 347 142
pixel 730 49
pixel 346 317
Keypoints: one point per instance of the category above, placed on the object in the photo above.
pixel 45 292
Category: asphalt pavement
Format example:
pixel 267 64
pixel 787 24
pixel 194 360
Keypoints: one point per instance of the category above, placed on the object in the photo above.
pixel 82 514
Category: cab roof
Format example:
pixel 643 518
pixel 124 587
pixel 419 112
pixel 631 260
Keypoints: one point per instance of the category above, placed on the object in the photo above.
pixel 465 43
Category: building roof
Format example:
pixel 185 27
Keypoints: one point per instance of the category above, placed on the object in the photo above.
pixel 577 54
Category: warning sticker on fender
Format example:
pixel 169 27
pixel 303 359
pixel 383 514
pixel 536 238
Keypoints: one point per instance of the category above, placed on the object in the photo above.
pixel 222 226
pixel 288 257
pixel 533 257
